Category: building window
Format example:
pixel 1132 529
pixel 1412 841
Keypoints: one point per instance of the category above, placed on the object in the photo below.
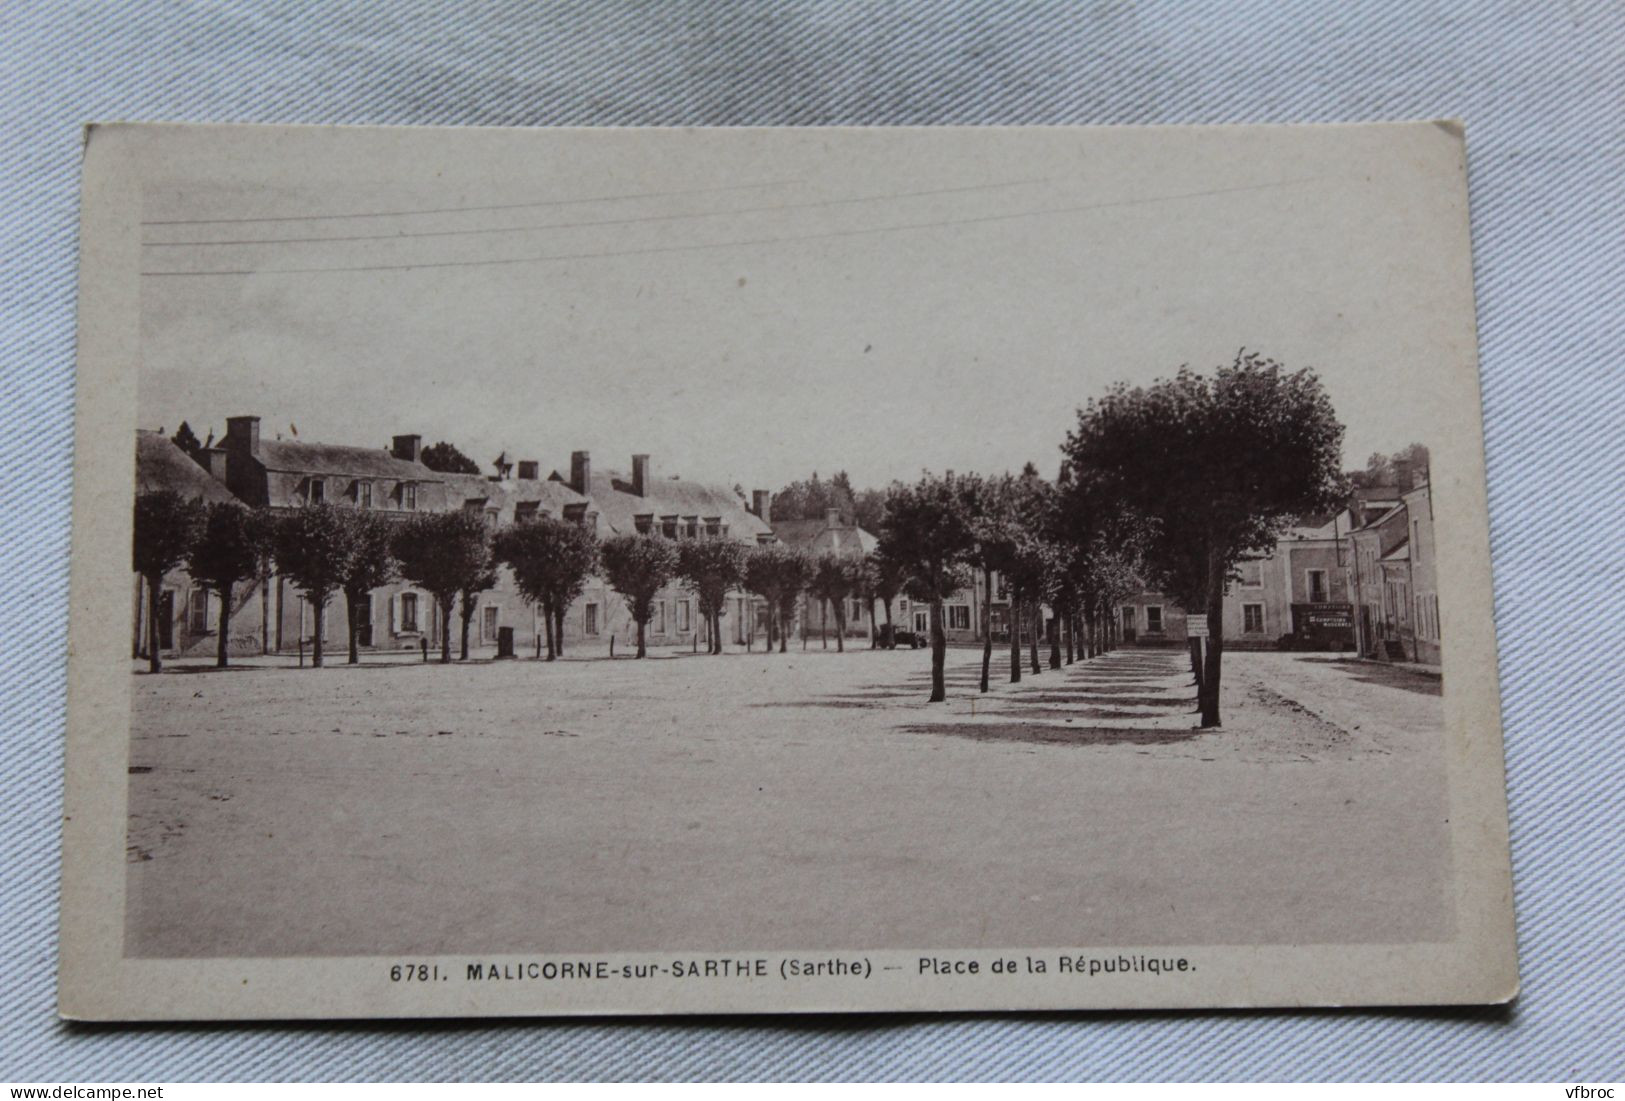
pixel 589 624
pixel 1128 618
pixel 1318 593
pixel 363 494
pixel 644 524
pixel 490 622
pixel 1252 617
pixel 857 611
pixel 668 527
pixel 713 526
pixel 658 623
pixel 1252 574
pixel 197 609
pixel 691 527
pixel 683 621
pixel 409 496
pixel 318 491
pixel 959 617
pixel 525 511
pixel 1153 619
pixel 409 613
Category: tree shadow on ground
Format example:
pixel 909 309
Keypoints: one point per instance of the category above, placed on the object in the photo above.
pixel 1023 712
pixel 1082 699
pixel 1047 734
pixel 1372 672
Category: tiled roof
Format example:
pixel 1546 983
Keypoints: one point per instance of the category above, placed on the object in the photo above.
pixel 618 507
pixel 505 495
pixel 298 456
pixel 818 537
pixel 160 465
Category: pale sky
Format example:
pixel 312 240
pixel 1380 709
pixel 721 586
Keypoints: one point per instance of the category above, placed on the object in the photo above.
pixel 750 306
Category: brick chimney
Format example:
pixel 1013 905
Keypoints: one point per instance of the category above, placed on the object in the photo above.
pixel 761 502
pixel 580 471
pixel 408 448
pixel 243 435
pixel 640 475
pixel 832 517
pixel 529 470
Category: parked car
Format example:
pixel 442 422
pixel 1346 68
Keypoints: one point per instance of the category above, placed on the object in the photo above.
pixel 902 636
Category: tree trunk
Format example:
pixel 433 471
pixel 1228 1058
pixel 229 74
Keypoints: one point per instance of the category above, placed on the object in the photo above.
pixel 467 617
pixel 1037 625
pixel 784 633
pixel 1208 697
pixel 558 629
pixel 265 612
pixel 351 638
pixel 549 631
pixel 155 582
pixel 445 629
pixel 823 624
pixel 1055 642
pixel 1066 624
pixel 1015 638
pixel 1196 664
pixel 987 626
pixel 225 626
pixel 840 628
pixel 939 653
pixel 643 649
pixel 1088 633
pixel 891 632
pixel 319 615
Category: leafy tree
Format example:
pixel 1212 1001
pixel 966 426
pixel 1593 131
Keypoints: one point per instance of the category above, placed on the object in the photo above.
pixel 990 503
pixel 834 578
pixel 371 566
pixel 869 508
pixel 166 527
pixel 1029 560
pixel 638 566
pixel 447 459
pixel 777 574
pixel 551 560
pixel 229 549
pixel 185 439
pixel 810 499
pixel 928 530
pixel 478 581
pixel 444 553
pixel 1219 466
pixel 888 579
pixel 710 568
pixel 312 546
pixel 1383 470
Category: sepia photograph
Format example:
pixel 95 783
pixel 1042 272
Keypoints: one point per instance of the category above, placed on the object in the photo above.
pixel 686 570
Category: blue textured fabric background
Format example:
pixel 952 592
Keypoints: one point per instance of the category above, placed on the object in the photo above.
pixel 1542 87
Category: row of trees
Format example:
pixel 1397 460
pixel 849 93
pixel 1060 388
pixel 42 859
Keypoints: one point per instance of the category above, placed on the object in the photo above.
pixel 1170 485
pixel 326 551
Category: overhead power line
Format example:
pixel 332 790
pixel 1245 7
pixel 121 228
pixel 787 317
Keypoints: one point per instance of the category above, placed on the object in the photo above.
pixel 463 209
pixel 749 242
pixel 410 234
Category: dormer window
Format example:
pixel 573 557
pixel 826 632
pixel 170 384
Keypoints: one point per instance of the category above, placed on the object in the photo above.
pixel 409 496
pixel 645 523
pixel 691 527
pixel 668 527
pixel 316 491
pixel 363 494
pixel 525 511
pixel 713 526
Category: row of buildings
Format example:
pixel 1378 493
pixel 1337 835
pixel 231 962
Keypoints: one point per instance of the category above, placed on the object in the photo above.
pixel 274 617
pixel 1363 580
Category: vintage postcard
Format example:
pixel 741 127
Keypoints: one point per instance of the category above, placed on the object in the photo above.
pixel 688 571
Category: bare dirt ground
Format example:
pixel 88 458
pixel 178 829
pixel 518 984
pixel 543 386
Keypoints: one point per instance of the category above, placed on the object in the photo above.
pixel 807 800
